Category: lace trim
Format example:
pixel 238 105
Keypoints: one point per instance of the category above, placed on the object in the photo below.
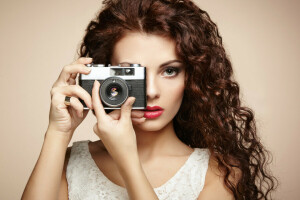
pixel 187 183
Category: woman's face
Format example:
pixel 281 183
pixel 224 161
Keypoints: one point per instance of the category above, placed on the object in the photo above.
pixel 165 74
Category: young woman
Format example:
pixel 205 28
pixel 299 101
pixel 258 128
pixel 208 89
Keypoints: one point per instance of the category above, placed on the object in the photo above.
pixel 194 140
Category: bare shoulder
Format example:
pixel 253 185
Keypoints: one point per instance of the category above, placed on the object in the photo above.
pixel 214 186
pixel 63 189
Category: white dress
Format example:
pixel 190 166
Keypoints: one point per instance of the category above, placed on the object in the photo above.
pixel 86 181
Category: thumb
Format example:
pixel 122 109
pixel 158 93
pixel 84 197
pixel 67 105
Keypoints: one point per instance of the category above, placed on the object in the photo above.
pixel 126 108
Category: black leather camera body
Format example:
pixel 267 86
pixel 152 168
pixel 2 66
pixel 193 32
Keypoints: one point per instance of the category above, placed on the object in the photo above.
pixel 117 83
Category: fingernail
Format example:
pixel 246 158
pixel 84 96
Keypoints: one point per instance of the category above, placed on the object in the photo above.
pixel 133 101
pixel 88 58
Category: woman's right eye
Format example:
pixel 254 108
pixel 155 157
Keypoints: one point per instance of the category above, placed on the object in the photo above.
pixel 171 71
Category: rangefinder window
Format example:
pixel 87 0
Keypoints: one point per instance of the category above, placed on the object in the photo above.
pixel 116 72
pixel 129 71
pixel 122 72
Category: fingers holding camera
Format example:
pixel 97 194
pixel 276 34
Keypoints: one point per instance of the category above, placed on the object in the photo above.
pixel 138 121
pixel 72 79
pixel 116 114
pixel 96 102
pixel 83 60
pixel 69 72
pixel 65 116
pixel 77 91
pixel 76 105
pixel 126 108
pixel 137 116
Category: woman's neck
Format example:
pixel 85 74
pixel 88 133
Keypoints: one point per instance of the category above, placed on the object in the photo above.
pixel 152 144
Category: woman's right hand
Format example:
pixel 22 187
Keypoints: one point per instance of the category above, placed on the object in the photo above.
pixel 63 120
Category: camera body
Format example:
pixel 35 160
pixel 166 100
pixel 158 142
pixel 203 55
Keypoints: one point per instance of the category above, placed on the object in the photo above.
pixel 116 85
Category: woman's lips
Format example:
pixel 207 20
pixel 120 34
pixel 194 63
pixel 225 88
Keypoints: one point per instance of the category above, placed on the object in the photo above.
pixel 152 112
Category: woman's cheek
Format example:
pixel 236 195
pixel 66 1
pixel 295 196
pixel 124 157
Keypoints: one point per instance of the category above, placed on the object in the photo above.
pixel 176 92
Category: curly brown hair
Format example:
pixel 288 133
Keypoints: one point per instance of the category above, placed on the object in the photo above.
pixel 211 115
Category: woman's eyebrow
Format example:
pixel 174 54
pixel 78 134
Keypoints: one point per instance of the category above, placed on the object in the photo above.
pixel 164 64
pixel 169 62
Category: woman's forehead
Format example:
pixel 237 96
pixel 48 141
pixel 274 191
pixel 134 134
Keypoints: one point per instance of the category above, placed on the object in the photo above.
pixel 138 47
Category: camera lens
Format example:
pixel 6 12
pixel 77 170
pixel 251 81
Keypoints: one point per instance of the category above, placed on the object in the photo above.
pixel 113 91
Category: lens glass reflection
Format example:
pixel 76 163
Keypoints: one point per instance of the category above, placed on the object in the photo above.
pixel 113 92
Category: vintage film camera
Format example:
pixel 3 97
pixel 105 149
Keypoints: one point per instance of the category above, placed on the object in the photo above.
pixel 117 84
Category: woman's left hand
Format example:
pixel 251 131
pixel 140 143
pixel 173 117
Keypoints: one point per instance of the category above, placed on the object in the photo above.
pixel 116 132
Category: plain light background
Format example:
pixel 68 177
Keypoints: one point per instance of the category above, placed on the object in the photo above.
pixel 39 37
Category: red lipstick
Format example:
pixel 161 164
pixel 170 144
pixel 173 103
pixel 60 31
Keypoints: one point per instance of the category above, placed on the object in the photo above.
pixel 152 112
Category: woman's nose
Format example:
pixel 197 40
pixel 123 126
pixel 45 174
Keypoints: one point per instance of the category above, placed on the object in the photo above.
pixel 152 88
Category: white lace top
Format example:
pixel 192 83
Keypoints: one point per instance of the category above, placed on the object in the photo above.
pixel 86 181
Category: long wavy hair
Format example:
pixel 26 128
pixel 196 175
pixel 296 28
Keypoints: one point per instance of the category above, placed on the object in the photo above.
pixel 211 115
